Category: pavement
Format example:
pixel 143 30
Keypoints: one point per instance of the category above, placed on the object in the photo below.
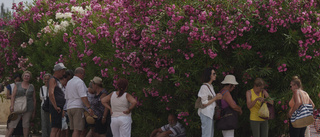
pixel 312 130
pixel 3 130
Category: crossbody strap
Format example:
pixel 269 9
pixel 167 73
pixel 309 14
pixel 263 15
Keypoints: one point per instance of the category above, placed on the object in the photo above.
pixel 209 89
pixel 224 92
pixel 42 92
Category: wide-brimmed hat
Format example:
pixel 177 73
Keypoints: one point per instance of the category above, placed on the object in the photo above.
pixel 97 80
pixel 12 117
pixel 230 79
pixel 59 66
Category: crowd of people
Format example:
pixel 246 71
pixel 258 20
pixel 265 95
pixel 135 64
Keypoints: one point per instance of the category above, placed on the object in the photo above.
pixel 68 104
pixel 65 99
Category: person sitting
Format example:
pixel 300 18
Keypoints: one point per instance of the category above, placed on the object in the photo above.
pixel 172 129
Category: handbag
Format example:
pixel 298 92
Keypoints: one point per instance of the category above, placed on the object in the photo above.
pixel 198 103
pixel 229 119
pixel 303 116
pixel 20 103
pixel 218 108
pixel 272 114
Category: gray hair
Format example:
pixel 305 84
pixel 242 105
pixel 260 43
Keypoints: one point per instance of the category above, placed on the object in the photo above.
pixel 47 74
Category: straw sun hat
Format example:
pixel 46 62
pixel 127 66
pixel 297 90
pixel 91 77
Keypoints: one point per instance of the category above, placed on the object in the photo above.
pixel 90 119
pixel 230 79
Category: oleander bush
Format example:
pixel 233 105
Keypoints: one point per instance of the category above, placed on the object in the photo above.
pixel 162 47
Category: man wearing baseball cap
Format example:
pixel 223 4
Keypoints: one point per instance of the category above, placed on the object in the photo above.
pixel 57 99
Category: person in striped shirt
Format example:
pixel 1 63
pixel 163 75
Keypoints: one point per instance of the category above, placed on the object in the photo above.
pixel 172 129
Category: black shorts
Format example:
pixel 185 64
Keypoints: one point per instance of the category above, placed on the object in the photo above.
pixel 99 127
pixel 56 118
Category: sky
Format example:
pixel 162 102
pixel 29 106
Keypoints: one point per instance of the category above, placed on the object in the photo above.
pixel 8 3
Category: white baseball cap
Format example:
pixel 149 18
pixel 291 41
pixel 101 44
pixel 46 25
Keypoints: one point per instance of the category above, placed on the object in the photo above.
pixel 59 66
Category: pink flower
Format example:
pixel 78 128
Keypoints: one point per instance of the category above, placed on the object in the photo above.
pixel 167 108
pixel 30 41
pixel 247 22
pixel 24 45
pixel 150 80
pixel 171 70
pixel 285 121
pixel 279 102
pixel 39 35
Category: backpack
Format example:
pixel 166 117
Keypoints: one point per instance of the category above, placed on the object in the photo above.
pixel 45 105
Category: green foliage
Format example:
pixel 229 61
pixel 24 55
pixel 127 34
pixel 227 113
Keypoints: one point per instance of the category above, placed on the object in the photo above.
pixel 273 56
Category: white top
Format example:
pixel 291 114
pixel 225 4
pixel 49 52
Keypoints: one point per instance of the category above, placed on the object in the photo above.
pixel 119 104
pixel 12 86
pixel 75 90
pixel 64 91
pixel 203 94
pixel 45 94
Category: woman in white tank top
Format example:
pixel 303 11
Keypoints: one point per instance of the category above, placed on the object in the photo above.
pixel 122 104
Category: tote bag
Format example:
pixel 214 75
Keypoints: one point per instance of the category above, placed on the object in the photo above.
pixel 20 104
pixel 229 120
pixel 303 116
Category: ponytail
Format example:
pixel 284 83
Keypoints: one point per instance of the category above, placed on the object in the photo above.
pixel 122 85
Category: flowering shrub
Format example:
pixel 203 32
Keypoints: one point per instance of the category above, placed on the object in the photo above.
pixel 162 47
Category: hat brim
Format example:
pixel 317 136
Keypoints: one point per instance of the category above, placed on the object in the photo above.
pixel 233 83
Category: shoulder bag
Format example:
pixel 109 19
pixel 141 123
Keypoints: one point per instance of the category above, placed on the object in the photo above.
pixel 20 103
pixel 198 103
pixel 303 116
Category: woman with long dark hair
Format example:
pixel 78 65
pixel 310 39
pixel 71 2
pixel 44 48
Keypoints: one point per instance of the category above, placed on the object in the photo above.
pixel 122 104
pixel 208 98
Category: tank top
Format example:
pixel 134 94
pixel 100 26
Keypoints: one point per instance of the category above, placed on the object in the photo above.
pixel 254 111
pixel 119 104
pixel 58 94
